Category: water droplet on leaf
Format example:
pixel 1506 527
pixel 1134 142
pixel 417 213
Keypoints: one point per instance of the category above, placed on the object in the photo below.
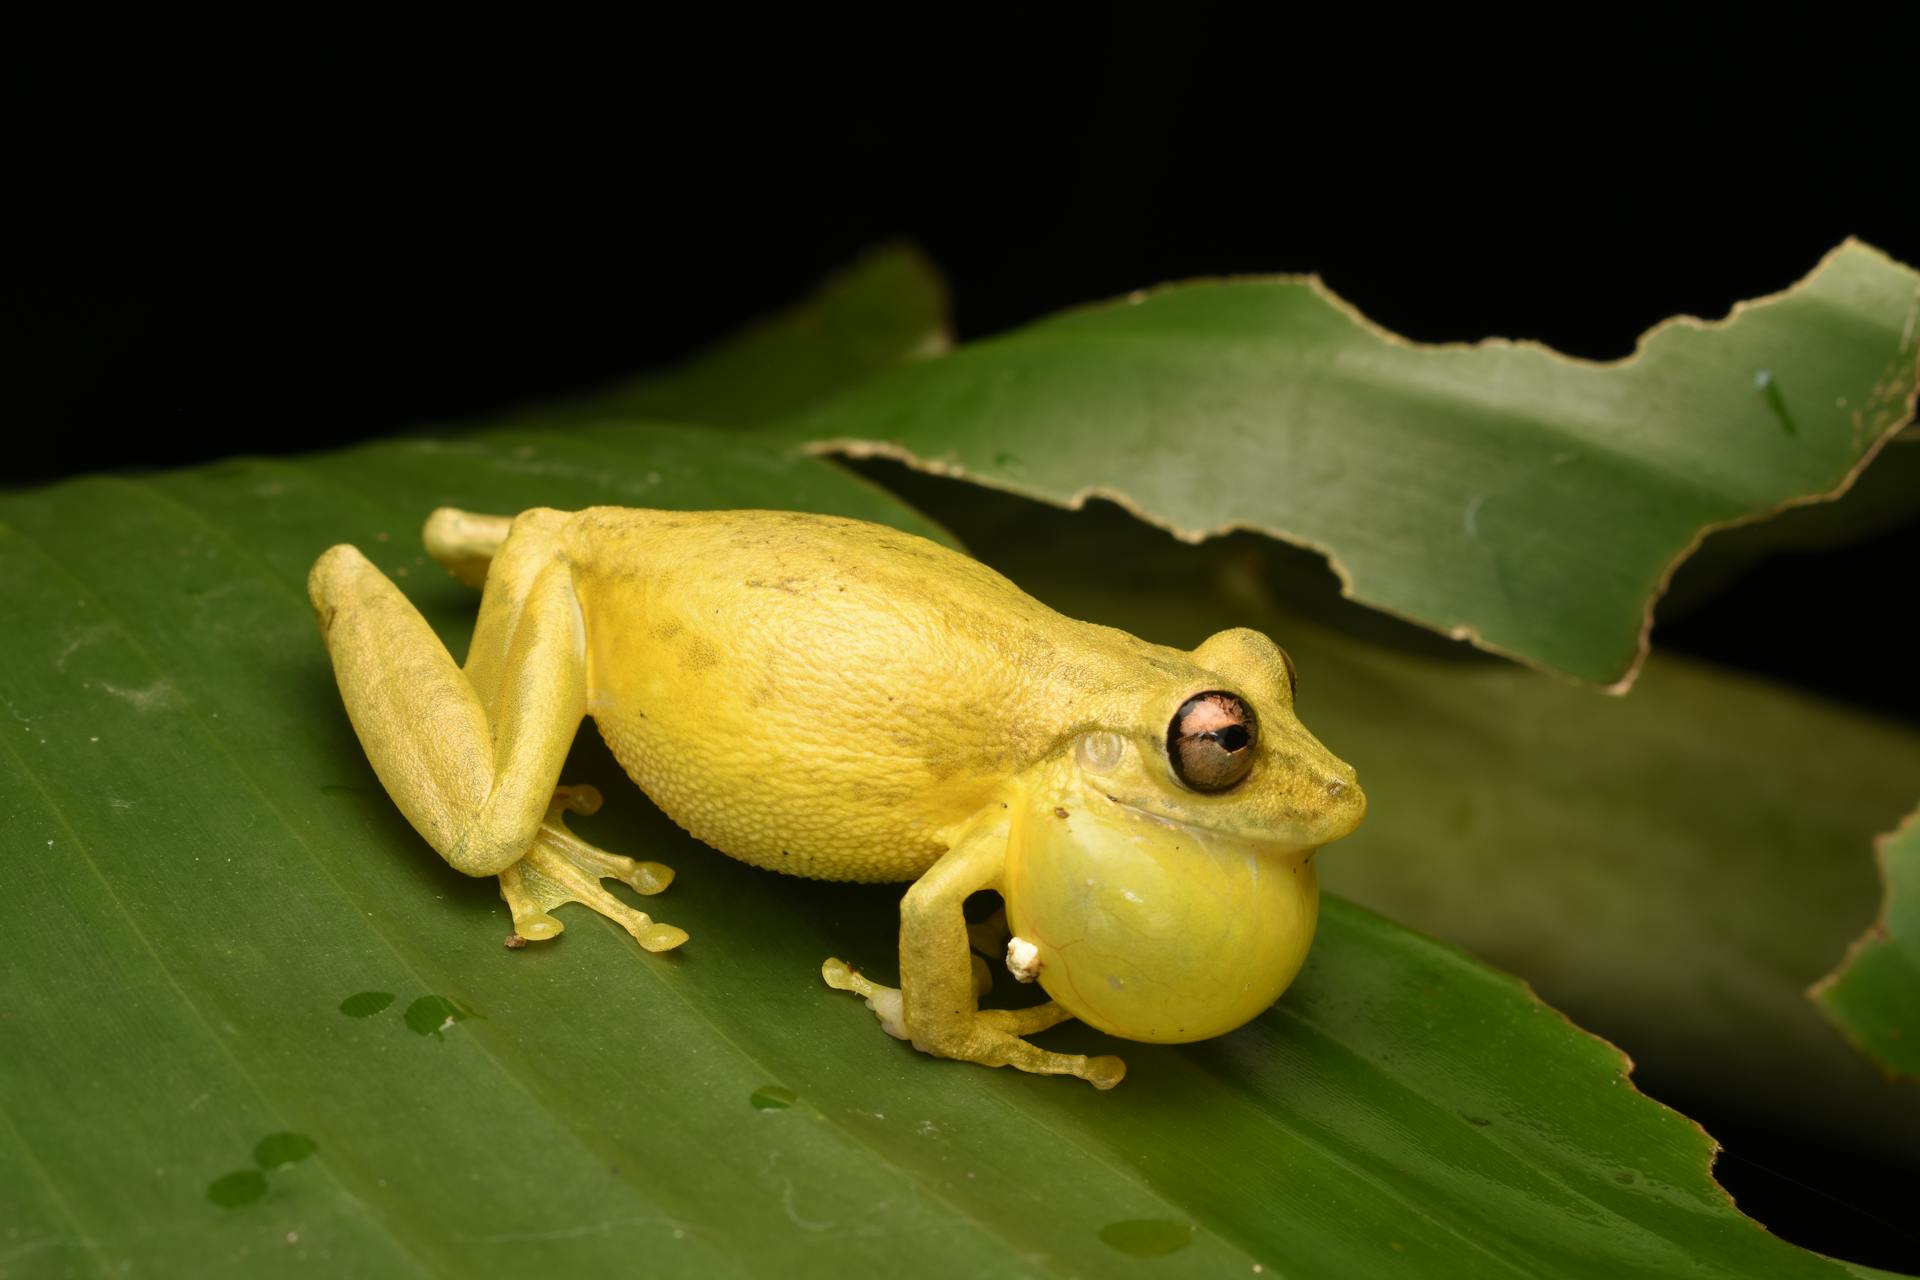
pixel 277 1150
pixel 242 1186
pixel 773 1097
pixel 365 1004
pixel 1147 1237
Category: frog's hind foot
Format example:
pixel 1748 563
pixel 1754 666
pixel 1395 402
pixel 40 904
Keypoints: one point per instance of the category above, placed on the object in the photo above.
pixel 993 1036
pixel 561 868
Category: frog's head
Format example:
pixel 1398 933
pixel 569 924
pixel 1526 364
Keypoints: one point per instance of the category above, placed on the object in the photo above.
pixel 1220 748
pixel 1160 870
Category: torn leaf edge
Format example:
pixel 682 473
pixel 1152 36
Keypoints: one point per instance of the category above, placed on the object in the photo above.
pixel 858 448
pixel 1877 933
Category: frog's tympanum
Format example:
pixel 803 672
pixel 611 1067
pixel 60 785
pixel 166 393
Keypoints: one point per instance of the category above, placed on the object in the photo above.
pixel 835 699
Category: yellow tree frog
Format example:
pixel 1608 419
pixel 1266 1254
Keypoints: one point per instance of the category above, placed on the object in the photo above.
pixel 830 698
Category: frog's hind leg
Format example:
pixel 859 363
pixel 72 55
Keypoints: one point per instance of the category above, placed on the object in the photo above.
pixel 472 757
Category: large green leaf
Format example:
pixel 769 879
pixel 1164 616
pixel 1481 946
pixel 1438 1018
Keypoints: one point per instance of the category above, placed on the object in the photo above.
pixel 1500 492
pixel 1672 869
pixel 1875 994
pixel 252 1022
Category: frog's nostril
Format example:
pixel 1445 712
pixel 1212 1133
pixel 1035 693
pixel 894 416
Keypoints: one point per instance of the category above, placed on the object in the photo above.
pixel 1335 786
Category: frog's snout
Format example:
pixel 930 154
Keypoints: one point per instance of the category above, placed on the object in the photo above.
pixel 1347 803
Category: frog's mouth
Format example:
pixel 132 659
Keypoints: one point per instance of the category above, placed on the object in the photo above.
pixel 1261 843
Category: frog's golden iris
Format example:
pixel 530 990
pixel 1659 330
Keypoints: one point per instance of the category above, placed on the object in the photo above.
pixel 835 699
pixel 1211 740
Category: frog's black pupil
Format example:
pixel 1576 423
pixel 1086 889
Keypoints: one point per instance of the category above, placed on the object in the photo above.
pixel 1231 738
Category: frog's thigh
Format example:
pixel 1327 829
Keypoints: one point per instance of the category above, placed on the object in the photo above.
pixel 474 780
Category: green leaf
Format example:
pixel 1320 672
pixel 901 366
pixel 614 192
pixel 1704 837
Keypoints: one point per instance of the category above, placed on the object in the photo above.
pixel 1874 996
pixel 1671 869
pixel 208 895
pixel 887 308
pixel 1499 492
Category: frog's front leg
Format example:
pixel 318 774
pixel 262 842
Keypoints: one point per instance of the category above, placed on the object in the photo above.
pixel 473 758
pixel 937 1005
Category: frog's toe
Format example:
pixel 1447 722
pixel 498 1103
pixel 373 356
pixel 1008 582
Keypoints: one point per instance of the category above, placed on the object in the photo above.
pixel 991 1038
pixel 993 1048
pixel 1025 1022
pixel 884 1001
pixel 582 798
pixel 643 877
pixel 562 868
pixel 534 925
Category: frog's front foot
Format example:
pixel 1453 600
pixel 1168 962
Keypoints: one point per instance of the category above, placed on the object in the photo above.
pixel 990 1037
pixel 561 867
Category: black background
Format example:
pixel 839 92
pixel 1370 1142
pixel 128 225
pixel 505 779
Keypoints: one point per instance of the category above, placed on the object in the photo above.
pixel 290 231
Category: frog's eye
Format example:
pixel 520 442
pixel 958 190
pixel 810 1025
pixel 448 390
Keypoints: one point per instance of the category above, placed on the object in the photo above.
pixel 1210 741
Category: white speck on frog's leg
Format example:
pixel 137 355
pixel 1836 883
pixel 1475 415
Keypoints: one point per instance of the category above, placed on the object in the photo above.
pixel 1023 959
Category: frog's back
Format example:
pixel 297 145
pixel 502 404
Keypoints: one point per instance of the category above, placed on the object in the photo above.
pixel 825 696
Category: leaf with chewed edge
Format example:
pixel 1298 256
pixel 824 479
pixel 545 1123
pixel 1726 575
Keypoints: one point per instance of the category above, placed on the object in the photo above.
pixel 1498 492
pixel 1874 996
pixel 221 936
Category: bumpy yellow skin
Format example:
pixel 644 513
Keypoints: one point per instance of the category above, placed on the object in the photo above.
pixel 835 699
